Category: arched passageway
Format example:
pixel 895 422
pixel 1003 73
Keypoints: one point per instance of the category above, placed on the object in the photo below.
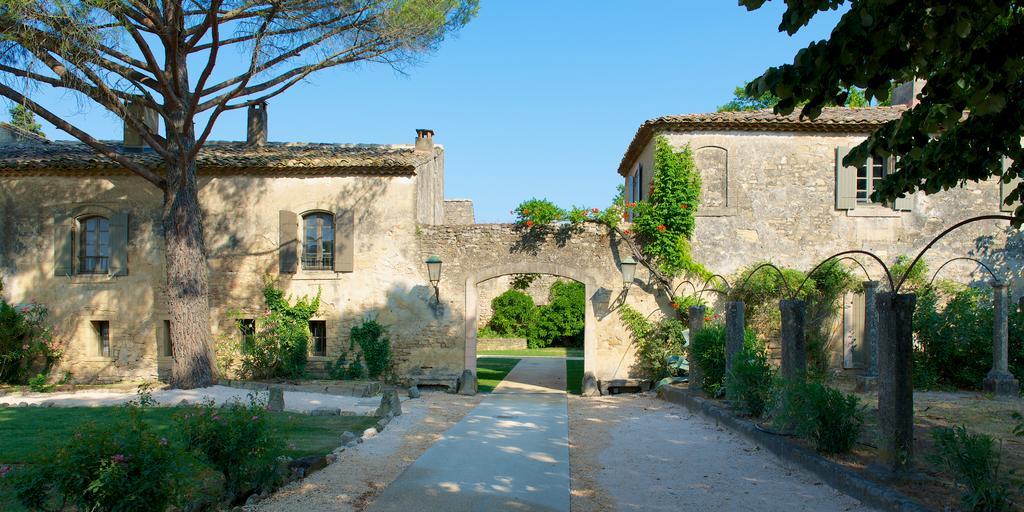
pixel 558 270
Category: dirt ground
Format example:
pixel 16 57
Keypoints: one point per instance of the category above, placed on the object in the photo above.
pixel 360 473
pixel 980 413
pixel 639 453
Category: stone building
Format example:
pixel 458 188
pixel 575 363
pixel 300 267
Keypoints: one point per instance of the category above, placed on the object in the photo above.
pixel 354 223
pixel 775 189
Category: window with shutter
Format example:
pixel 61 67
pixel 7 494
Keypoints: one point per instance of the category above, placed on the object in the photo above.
pixel 318 241
pixel 63 245
pixel 344 240
pixel 288 241
pixel 118 262
pixel 846 182
pixel 93 245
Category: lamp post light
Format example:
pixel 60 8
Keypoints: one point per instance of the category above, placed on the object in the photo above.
pixel 628 268
pixel 434 273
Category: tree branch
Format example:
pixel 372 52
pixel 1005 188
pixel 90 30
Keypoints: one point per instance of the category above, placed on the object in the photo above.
pixel 75 132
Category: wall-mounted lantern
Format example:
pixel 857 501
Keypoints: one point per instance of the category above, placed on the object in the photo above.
pixel 434 273
pixel 628 268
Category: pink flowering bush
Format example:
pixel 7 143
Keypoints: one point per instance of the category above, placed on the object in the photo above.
pixel 27 344
pixel 126 468
pixel 237 441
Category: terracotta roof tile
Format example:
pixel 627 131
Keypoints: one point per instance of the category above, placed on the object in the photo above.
pixel 832 119
pixel 223 156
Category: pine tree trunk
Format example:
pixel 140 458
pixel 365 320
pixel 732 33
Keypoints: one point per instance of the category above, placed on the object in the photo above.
pixel 187 274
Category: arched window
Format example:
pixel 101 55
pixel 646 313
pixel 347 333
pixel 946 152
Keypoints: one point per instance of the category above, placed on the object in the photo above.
pixel 94 245
pixel 318 241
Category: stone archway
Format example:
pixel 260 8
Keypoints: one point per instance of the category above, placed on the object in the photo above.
pixel 553 269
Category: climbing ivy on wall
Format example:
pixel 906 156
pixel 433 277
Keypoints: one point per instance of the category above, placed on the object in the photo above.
pixel 661 226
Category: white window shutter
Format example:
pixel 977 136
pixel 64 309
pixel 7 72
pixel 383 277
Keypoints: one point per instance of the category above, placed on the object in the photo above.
pixel 846 182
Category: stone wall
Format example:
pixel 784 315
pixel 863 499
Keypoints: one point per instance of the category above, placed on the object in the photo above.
pixel 459 211
pixel 501 344
pixel 484 251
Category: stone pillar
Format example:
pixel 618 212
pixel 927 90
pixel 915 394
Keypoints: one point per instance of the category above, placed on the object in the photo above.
pixel 895 381
pixel 276 401
pixel 999 380
pixel 733 331
pixel 794 351
pixel 868 381
pixel 696 324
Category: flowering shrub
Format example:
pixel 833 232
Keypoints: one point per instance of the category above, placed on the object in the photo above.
pixel 126 468
pixel 27 345
pixel 238 442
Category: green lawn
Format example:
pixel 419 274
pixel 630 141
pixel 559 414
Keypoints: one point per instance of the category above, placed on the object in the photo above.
pixel 574 376
pixel 28 433
pixel 542 352
pixel 491 370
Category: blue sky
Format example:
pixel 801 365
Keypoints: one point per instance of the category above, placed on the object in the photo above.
pixel 534 98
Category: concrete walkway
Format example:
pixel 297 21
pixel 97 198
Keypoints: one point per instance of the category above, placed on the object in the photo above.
pixel 510 453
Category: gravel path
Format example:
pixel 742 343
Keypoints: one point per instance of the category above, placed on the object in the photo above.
pixel 635 452
pixel 294 401
pixel 359 474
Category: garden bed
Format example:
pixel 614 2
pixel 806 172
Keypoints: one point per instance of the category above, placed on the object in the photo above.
pixel 930 486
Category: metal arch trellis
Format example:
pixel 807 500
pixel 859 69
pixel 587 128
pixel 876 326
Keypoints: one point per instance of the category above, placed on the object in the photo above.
pixel 705 288
pixel 888 275
pixel 967 258
pixel 782 276
pixel 906 273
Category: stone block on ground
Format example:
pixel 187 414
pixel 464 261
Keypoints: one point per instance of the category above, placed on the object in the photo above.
pixel 390 403
pixel 467 383
pixel 348 438
pixel 369 433
pixel 381 425
pixel 276 401
pixel 590 386
pixel 306 466
pixel 414 391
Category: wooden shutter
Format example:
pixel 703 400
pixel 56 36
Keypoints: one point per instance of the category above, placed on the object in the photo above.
pixel 1006 188
pixel 118 245
pixel 288 237
pixel 344 240
pixel 63 245
pixel 846 182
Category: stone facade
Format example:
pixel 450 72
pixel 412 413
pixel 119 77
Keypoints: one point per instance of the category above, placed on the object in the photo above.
pixel 243 239
pixel 459 211
pixel 770 195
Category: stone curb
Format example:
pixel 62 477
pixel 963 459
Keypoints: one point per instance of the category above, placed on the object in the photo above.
pixel 839 477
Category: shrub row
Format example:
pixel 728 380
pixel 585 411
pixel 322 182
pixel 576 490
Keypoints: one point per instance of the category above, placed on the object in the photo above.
pixel 559 322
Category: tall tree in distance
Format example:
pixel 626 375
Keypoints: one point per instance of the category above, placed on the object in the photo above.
pixel 23 118
pixel 744 101
pixel 180 58
pixel 969 111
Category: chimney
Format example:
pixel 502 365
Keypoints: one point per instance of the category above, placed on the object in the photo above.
pixel 424 140
pixel 256 130
pixel 136 110
pixel 906 93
